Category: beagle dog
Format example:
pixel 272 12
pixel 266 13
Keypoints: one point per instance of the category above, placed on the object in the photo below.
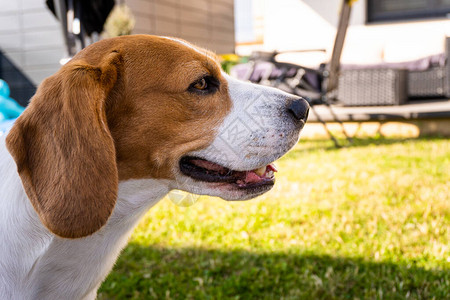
pixel 111 133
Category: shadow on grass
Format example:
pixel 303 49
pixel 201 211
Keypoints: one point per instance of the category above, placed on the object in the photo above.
pixel 192 273
pixel 328 145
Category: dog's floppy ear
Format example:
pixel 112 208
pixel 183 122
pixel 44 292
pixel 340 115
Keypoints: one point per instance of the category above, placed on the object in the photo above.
pixel 64 151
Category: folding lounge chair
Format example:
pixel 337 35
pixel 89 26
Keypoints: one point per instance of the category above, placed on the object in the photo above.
pixel 315 85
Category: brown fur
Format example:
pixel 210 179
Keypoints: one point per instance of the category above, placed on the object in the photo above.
pixel 118 110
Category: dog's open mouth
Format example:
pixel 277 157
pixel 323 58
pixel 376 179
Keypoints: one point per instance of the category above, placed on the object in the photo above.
pixel 204 170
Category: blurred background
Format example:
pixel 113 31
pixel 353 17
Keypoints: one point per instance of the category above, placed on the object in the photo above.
pixel 361 208
pixel 383 35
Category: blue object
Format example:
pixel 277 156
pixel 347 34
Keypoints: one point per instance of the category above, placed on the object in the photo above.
pixel 9 109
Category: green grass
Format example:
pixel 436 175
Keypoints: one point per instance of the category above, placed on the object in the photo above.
pixel 371 221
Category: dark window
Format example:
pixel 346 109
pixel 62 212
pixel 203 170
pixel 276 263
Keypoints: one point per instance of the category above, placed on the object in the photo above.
pixel 396 10
pixel 20 85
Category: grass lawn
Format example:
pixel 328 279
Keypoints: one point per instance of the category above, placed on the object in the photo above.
pixel 371 221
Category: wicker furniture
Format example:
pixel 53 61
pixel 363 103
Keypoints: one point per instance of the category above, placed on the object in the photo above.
pixel 433 82
pixel 447 69
pixel 372 87
pixel 393 84
pixel 428 83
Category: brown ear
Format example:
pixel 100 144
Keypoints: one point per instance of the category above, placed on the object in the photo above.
pixel 64 151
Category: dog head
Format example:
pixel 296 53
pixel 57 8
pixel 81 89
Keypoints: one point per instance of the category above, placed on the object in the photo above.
pixel 140 107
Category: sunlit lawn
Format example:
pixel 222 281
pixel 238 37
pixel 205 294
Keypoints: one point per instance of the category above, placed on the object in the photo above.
pixel 371 221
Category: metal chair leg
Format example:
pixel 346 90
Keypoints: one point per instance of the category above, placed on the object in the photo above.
pixel 332 137
pixel 336 119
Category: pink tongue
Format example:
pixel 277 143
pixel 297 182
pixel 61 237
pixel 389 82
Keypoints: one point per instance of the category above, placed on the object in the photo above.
pixel 209 165
pixel 251 177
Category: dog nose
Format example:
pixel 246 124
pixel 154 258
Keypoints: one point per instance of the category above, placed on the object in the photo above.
pixel 299 109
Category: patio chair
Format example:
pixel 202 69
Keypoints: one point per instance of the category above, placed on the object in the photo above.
pixel 317 86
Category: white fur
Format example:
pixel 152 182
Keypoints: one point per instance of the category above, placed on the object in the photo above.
pixel 256 132
pixel 35 264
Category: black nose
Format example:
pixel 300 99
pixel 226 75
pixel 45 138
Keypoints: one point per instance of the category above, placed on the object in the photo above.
pixel 299 109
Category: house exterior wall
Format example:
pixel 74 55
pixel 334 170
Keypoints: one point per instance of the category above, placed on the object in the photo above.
pixel 311 24
pixel 205 23
pixel 30 35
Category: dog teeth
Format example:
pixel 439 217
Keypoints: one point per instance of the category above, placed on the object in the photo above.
pixel 260 172
pixel 269 174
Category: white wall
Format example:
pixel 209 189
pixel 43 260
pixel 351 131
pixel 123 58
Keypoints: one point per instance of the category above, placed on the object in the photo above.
pixel 30 37
pixel 311 24
pixel 395 41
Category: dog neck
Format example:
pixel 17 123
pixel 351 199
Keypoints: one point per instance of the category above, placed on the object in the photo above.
pixel 39 265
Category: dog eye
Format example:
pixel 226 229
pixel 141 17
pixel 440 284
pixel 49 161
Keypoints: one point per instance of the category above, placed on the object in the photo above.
pixel 201 84
pixel 205 85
